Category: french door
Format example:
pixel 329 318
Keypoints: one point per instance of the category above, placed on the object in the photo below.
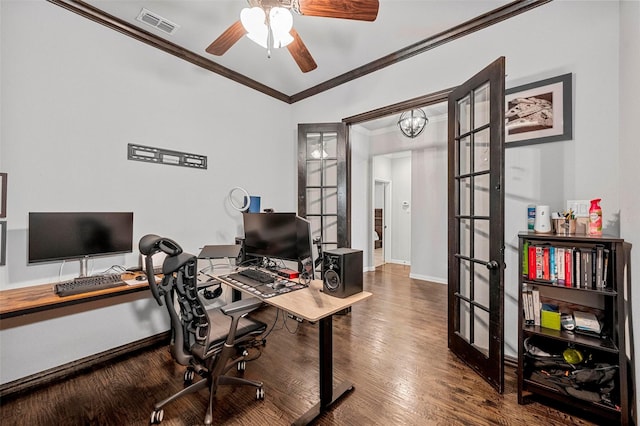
pixel 323 183
pixel 475 221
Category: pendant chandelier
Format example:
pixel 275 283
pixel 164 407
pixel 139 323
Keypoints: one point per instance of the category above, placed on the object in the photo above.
pixel 412 122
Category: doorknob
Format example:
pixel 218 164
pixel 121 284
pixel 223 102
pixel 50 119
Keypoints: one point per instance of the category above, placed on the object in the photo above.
pixel 493 265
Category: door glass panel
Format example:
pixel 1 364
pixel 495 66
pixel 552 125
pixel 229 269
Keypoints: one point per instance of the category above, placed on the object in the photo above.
pixel 465 197
pixel 464 118
pixel 481 195
pixel 481 330
pixel 330 140
pixel 314 169
pixel 314 145
pixel 330 173
pixel 481 106
pixel 330 201
pixel 481 285
pixel 481 240
pixel 464 160
pixel 465 320
pixel 314 197
pixel 465 237
pixel 481 150
pixel 465 278
pixel 330 229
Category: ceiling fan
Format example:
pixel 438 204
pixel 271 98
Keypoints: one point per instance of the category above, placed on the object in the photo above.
pixel 270 24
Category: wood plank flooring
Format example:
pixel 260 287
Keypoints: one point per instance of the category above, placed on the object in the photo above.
pixel 393 347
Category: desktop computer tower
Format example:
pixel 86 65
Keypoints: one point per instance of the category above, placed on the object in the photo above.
pixel 342 272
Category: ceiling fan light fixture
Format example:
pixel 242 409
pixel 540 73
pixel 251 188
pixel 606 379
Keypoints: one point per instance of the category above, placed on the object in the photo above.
pixel 412 123
pixel 261 28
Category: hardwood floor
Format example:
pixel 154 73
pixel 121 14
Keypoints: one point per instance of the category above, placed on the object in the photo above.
pixel 393 347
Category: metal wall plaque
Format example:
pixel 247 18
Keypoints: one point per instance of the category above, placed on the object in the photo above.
pixel 165 156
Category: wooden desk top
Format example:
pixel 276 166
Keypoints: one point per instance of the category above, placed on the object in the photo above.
pixel 310 303
pixel 25 300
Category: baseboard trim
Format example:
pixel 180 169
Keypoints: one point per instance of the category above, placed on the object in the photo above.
pixel 65 371
pixel 437 280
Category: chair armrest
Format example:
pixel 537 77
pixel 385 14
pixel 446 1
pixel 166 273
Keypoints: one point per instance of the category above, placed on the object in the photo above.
pixel 244 306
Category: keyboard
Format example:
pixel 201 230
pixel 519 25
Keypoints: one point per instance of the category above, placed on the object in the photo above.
pixel 88 284
pixel 257 275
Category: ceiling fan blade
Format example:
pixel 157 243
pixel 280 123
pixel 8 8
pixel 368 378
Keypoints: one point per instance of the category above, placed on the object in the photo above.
pixel 359 10
pixel 300 53
pixel 227 39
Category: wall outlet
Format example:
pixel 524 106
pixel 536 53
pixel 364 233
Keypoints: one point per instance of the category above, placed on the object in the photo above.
pixel 580 207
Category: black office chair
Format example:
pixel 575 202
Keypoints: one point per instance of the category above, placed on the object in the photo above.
pixel 208 341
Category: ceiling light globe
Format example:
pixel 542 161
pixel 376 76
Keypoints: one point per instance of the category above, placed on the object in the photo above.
pixel 412 123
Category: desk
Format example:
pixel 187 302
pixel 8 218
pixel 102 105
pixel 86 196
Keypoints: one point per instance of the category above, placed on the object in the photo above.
pixel 26 300
pixel 313 305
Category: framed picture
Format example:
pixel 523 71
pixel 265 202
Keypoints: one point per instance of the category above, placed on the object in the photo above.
pixel 539 112
pixel 3 195
pixel 3 243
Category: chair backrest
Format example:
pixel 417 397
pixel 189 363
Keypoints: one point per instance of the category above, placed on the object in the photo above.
pixel 178 287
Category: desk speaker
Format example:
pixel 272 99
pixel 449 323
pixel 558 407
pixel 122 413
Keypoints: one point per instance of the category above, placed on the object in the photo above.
pixel 342 272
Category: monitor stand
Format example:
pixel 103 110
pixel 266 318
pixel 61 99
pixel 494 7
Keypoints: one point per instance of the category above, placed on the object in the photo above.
pixel 84 266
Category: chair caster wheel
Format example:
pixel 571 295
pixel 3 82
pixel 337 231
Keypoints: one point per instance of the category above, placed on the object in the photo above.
pixel 156 417
pixel 260 394
pixel 242 365
pixel 188 377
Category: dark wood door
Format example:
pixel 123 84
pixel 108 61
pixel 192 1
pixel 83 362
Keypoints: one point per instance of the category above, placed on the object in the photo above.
pixel 475 221
pixel 323 182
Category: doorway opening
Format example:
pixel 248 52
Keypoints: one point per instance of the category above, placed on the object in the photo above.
pixel 391 211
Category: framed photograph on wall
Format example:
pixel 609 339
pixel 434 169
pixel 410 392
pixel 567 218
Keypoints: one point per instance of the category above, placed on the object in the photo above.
pixel 3 195
pixel 3 243
pixel 539 112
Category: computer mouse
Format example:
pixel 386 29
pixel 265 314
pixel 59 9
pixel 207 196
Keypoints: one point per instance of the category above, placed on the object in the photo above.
pixel 141 278
pixel 278 285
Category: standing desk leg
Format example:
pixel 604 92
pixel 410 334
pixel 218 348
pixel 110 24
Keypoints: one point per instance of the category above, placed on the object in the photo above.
pixel 328 394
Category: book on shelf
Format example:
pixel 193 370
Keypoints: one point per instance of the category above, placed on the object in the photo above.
pixel 586 268
pixel 560 265
pixel 535 297
pixel 577 273
pixel 568 267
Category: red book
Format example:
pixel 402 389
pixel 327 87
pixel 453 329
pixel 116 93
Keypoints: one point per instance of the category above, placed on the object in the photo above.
pixel 568 267
pixel 545 264
pixel 539 261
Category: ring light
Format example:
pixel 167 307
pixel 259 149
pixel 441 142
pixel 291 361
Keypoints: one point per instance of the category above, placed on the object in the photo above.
pixel 247 199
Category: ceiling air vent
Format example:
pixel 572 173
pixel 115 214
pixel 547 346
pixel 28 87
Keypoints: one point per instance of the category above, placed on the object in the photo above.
pixel 157 21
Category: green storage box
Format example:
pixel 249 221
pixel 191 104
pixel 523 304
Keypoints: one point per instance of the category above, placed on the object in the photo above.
pixel 550 319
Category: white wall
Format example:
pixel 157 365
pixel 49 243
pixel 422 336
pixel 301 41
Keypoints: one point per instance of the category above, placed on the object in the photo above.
pixel 74 94
pixel 401 216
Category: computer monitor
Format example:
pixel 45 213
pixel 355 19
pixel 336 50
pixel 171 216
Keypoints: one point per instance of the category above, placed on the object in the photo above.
pixel 57 236
pixel 304 241
pixel 277 235
pixel 271 235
